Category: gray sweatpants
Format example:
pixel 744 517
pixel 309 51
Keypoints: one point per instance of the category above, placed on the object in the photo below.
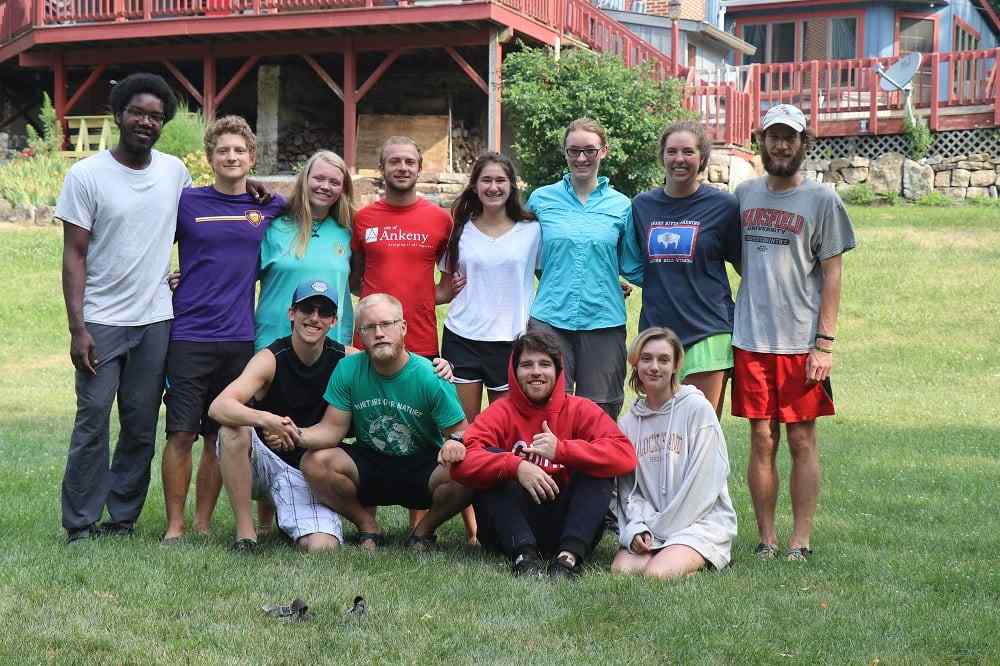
pixel 130 367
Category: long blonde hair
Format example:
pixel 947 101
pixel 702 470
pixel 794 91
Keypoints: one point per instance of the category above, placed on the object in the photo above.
pixel 298 204
pixel 650 334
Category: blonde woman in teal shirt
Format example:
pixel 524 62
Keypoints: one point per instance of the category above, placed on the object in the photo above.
pixel 580 299
pixel 312 240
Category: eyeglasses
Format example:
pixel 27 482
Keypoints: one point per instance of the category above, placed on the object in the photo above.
pixel 370 328
pixel 326 310
pixel 152 116
pixel 589 153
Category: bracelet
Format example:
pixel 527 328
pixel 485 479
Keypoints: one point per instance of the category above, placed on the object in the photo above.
pixel 457 437
pixel 825 337
pixel 825 351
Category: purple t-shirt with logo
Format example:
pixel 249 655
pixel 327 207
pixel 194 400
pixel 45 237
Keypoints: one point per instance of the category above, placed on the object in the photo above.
pixel 218 239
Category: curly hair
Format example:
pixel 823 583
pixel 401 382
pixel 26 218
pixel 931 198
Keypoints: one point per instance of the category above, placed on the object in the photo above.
pixel 143 83
pixel 235 125
pixel 540 342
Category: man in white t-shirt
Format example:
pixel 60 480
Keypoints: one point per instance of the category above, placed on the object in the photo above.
pixel 119 213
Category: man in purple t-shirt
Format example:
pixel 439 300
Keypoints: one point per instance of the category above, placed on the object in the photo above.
pixel 219 230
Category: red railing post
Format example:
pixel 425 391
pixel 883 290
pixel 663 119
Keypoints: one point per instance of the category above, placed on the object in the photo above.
pixel 996 87
pixel 119 10
pixel 873 101
pixel 147 10
pixel 39 13
pixel 730 114
pixel 814 104
pixel 935 85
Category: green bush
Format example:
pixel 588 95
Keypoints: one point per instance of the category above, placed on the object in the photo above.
pixel 34 180
pixel 183 135
pixel 860 194
pixel 52 139
pixel 919 136
pixel 542 95
pixel 935 199
pixel 890 198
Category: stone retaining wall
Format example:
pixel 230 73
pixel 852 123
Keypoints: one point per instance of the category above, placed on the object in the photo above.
pixel 959 177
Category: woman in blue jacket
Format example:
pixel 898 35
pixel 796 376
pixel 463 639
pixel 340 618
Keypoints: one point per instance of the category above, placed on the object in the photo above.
pixel 580 300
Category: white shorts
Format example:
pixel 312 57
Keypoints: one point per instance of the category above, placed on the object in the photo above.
pixel 299 512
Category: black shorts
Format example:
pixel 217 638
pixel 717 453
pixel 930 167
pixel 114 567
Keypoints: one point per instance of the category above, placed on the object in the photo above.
pixel 393 480
pixel 477 361
pixel 196 373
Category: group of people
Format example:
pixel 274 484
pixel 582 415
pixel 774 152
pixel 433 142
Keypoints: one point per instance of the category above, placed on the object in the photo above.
pixel 321 410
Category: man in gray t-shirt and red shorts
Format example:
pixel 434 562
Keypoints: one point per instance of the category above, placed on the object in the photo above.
pixel 794 234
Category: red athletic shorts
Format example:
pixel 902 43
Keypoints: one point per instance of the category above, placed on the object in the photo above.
pixel 773 386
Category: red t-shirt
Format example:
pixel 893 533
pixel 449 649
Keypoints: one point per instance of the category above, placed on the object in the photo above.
pixel 401 246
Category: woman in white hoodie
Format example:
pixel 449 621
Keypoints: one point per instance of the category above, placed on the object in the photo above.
pixel 674 512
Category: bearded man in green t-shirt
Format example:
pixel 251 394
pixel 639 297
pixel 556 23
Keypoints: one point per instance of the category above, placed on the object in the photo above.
pixel 402 414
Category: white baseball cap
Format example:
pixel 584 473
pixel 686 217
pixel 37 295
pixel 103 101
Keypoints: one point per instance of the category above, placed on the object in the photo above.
pixel 784 114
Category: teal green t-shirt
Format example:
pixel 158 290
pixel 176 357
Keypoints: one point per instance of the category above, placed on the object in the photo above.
pixel 327 257
pixel 398 415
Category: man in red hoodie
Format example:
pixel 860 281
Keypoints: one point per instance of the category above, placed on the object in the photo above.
pixel 544 463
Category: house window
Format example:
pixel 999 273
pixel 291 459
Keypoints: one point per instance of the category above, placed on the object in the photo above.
pixel 830 39
pixel 917 35
pixel 826 38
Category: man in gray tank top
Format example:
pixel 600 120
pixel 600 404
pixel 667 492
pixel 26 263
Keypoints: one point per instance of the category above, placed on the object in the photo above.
pixel 794 234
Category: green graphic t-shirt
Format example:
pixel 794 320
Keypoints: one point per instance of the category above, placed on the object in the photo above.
pixel 398 415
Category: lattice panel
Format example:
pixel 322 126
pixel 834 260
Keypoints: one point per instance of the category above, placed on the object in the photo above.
pixel 946 144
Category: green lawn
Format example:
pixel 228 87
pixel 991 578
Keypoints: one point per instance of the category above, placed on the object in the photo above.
pixel 906 538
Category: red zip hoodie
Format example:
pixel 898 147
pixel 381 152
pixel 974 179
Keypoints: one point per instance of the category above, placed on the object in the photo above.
pixel 588 440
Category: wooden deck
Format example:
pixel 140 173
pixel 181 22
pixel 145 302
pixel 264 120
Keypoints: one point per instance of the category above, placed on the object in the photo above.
pixel 95 34
pixel 843 97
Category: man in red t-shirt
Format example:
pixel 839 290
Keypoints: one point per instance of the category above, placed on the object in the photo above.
pixel 396 243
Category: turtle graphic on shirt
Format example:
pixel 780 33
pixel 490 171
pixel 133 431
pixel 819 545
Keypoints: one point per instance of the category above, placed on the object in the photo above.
pixel 388 434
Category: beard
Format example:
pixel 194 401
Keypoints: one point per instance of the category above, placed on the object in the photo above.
pixel 385 352
pixel 784 169
pixel 390 185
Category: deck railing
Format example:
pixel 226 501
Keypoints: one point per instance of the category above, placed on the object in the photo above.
pixel 578 19
pixel 732 101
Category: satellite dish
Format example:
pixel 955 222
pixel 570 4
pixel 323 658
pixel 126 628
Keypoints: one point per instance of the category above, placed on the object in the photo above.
pixel 899 78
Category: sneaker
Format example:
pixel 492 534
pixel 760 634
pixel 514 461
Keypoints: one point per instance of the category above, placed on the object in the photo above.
pixel 765 551
pixel 528 564
pixel 244 546
pixel 83 534
pixel 116 529
pixel 800 554
pixel 565 566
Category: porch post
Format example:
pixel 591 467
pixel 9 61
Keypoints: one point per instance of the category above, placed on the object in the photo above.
pixel 495 84
pixel 208 88
pixel 59 93
pixel 350 108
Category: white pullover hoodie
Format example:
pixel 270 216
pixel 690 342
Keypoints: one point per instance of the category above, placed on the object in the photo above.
pixel 678 493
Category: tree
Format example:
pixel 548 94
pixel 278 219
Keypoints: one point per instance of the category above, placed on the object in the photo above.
pixel 543 95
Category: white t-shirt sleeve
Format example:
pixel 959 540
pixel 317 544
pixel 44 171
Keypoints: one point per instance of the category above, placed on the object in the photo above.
pixel 76 201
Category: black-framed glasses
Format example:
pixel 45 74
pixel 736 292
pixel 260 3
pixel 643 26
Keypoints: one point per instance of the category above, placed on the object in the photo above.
pixel 589 153
pixel 325 310
pixel 152 116
pixel 371 328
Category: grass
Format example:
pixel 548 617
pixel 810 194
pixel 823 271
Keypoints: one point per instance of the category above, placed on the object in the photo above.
pixel 906 535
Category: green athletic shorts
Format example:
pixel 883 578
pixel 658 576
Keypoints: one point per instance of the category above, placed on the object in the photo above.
pixel 708 355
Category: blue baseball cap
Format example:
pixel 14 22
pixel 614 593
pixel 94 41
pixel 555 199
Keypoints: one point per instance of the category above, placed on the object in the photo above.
pixel 314 289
